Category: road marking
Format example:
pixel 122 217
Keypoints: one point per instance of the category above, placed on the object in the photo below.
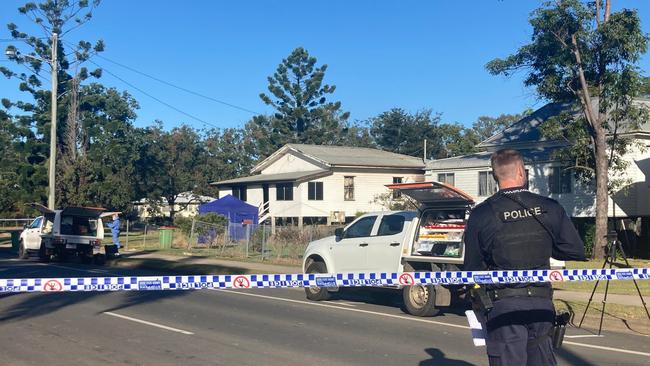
pixel 345 304
pixel 147 323
pixel 584 336
pixel 347 309
pixel 100 271
pixel 608 348
pixel 420 320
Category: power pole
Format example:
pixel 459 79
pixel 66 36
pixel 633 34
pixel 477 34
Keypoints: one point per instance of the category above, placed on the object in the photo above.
pixel 52 169
pixel 424 156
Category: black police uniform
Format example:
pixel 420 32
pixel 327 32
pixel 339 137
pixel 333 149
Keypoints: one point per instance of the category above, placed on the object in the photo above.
pixel 517 229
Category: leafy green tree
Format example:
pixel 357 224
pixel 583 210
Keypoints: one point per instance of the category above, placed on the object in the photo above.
pixel 486 126
pixel 303 112
pixel 101 168
pixel 171 163
pixel 456 140
pixel 31 51
pixel 586 57
pixel 228 155
pixel 404 133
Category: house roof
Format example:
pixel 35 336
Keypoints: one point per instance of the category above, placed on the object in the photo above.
pixel 482 159
pixel 268 178
pixel 182 198
pixel 330 155
pixel 526 130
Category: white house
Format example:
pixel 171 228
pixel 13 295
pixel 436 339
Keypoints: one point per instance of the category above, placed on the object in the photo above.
pixel 547 175
pixel 186 205
pixel 321 184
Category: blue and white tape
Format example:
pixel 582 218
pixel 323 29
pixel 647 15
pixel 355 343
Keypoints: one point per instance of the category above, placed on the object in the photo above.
pixel 148 283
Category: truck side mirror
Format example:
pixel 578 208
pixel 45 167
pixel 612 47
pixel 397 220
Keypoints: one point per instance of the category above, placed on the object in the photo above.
pixel 338 233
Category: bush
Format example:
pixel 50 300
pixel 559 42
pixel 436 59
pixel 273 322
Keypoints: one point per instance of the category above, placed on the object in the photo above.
pixel 184 224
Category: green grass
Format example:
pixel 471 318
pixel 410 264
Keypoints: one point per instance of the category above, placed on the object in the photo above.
pixel 615 287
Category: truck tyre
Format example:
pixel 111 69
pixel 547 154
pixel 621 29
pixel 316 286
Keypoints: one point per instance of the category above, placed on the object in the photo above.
pixel 99 259
pixel 419 300
pixel 317 293
pixel 22 252
pixel 86 259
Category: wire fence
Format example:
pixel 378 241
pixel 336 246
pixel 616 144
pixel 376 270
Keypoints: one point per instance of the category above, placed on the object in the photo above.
pixel 235 240
pixel 285 244
pixel 14 223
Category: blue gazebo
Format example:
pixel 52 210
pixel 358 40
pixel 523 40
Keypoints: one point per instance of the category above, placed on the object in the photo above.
pixel 234 209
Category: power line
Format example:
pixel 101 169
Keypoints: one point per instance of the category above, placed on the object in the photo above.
pixel 152 97
pixel 172 85
pixel 179 87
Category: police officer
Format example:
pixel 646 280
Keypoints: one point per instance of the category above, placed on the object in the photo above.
pixel 517 229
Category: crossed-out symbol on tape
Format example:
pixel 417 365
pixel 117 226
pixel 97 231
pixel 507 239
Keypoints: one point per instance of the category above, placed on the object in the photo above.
pixel 406 279
pixel 241 282
pixel 52 286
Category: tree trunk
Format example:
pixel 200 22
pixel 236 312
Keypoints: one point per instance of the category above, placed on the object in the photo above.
pixel 172 204
pixel 601 193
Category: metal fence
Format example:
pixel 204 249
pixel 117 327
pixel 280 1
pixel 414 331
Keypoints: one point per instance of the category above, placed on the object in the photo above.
pixel 237 240
pixel 231 240
pixel 14 223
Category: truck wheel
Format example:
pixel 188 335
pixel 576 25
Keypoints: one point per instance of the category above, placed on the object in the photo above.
pixel 420 300
pixel 85 258
pixel 317 293
pixel 22 252
pixel 99 259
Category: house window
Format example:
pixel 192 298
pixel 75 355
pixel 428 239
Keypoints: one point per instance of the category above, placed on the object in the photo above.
pixel 239 192
pixel 284 192
pixel 487 186
pixel 348 188
pixel 446 178
pixel 315 191
pixel 396 192
pixel 559 180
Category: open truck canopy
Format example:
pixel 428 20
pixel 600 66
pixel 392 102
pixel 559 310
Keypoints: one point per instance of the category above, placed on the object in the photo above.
pixel 433 193
pixel 91 212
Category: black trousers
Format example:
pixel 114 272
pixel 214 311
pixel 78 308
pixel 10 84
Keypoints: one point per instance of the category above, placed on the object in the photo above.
pixel 517 332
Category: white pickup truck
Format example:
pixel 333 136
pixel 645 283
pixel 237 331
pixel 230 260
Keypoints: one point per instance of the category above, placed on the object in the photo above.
pixel 70 231
pixel 430 239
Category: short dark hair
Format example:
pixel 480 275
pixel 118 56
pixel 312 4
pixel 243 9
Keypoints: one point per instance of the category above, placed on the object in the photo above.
pixel 502 161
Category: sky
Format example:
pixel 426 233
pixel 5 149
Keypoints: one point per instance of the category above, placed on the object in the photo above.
pixel 407 54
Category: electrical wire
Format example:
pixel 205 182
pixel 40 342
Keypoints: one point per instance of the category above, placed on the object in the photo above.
pixel 153 97
pixel 171 84
pixel 179 87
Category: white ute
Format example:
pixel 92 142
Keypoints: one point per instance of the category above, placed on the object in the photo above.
pixel 430 239
pixel 70 231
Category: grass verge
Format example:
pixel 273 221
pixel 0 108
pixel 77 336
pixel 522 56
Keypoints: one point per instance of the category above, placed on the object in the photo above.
pixel 615 287
pixel 616 318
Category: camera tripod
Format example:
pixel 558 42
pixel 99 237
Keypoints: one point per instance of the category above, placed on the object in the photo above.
pixel 612 248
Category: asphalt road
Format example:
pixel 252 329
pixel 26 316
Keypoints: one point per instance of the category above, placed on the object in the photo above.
pixel 252 327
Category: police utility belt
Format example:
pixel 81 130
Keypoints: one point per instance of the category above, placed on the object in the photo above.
pixel 530 291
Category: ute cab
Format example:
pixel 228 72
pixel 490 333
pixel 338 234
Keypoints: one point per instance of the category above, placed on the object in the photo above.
pixel 62 233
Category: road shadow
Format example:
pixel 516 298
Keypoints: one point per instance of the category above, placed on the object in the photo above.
pixel 438 358
pixel 391 298
pixel 571 357
pixel 180 265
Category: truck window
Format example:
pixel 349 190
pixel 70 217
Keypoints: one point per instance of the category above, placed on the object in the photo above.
pixel 36 224
pixel 78 225
pixel 360 228
pixel 391 225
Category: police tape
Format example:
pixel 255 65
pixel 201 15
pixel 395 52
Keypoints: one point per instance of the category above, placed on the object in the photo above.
pixel 378 279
